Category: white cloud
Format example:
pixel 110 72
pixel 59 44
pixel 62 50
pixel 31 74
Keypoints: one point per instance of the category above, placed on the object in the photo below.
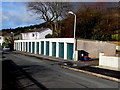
pixel 18 16
pixel 6 18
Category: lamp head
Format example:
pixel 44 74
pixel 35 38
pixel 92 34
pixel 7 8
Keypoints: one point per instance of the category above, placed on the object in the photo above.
pixel 70 12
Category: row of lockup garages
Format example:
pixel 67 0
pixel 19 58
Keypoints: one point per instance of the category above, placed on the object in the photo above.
pixel 58 47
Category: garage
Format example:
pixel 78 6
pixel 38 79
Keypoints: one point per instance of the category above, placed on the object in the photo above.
pixel 70 51
pixel 21 46
pixel 29 46
pixel 26 46
pixel 61 50
pixel 37 46
pixel 47 48
pixel 53 48
pixel 33 47
pixel 42 47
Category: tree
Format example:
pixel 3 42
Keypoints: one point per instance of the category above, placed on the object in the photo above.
pixel 50 12
pixel 97 21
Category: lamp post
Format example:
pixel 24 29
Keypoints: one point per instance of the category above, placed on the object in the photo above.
pixel 74 21
pixel 75 57
pixel 12 42
pixel 12 35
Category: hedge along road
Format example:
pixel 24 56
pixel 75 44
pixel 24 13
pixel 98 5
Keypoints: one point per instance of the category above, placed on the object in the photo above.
pixel 48 74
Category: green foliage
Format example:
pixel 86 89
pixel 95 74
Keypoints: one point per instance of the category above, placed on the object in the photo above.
pixel 5 45
pixel 115 37
pixel 49 36
pixel 102 37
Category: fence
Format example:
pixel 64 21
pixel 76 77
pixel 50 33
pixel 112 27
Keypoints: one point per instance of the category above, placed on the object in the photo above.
pixel 58 47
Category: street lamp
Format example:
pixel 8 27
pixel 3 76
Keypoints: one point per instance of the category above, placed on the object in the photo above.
pixel 74 21
pixel 70 12
pixel 12 35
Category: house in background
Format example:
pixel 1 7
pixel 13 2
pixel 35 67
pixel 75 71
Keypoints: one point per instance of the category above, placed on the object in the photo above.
pixel 1 40
pixel 37 34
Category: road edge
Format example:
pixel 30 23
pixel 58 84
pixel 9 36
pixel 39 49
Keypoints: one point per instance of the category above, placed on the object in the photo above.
pixel 94 74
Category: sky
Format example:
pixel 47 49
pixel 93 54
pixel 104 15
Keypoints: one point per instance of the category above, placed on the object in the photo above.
pixel 15 14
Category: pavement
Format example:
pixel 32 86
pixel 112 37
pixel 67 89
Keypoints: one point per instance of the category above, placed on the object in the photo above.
pixel 89 67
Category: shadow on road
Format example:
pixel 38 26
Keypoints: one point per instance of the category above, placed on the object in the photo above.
pixel 111 73
pixel 11 77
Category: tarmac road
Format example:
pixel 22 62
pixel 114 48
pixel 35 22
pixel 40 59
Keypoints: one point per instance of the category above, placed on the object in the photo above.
pixel 41 73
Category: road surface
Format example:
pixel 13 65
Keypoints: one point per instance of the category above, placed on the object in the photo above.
pixel 36 72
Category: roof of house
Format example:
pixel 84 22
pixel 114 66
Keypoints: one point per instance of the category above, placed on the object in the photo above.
pixel 38 30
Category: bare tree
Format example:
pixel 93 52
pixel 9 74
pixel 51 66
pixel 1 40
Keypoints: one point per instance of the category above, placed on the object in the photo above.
pixel 50 12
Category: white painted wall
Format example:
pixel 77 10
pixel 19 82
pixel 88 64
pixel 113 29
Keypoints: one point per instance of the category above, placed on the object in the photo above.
pixel 1 40
pixel 51 40
pixel 43 34
pixel 36 35
pixel 109 61
pixel 118 48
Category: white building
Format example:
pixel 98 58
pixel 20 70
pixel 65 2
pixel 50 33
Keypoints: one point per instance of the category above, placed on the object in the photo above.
pixel 1 40
pixel 57 47
pixel 39 34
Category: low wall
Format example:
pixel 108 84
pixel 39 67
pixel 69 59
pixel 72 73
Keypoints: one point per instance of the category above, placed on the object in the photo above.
pixel 95 47
pixel 118 48
pixel 109 61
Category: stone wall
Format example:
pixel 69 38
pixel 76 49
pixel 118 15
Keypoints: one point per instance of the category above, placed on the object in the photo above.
pixel 95 47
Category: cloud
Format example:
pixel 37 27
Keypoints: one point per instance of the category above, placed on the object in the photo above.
pixel 16 15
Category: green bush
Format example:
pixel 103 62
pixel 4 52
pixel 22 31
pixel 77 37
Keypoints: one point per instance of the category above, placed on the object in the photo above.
pixel 5 45
pixel 49 36
pixel 115 37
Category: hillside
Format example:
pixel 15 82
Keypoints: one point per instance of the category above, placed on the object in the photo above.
pixel 17 31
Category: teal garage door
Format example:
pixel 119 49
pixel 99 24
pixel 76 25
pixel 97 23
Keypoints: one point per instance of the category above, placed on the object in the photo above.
pixel 54 49
pixel 61 50
pixel 70 51
pixel 42 47
pixel 47 48
pixel 29 46
pixel 33 47
pixel 26 46
pixel 21 46
pixel 16 46
pixel 37 46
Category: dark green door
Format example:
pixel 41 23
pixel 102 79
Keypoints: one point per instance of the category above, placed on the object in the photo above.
pixel 47 48
pixel 21 46
pixel 42 47
pixel 26 46
pixel 29 46
pixel 61 50
pixel 54 49
pixel 33 47
pixel 16 44
pixel 70 51
pixel 37 46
